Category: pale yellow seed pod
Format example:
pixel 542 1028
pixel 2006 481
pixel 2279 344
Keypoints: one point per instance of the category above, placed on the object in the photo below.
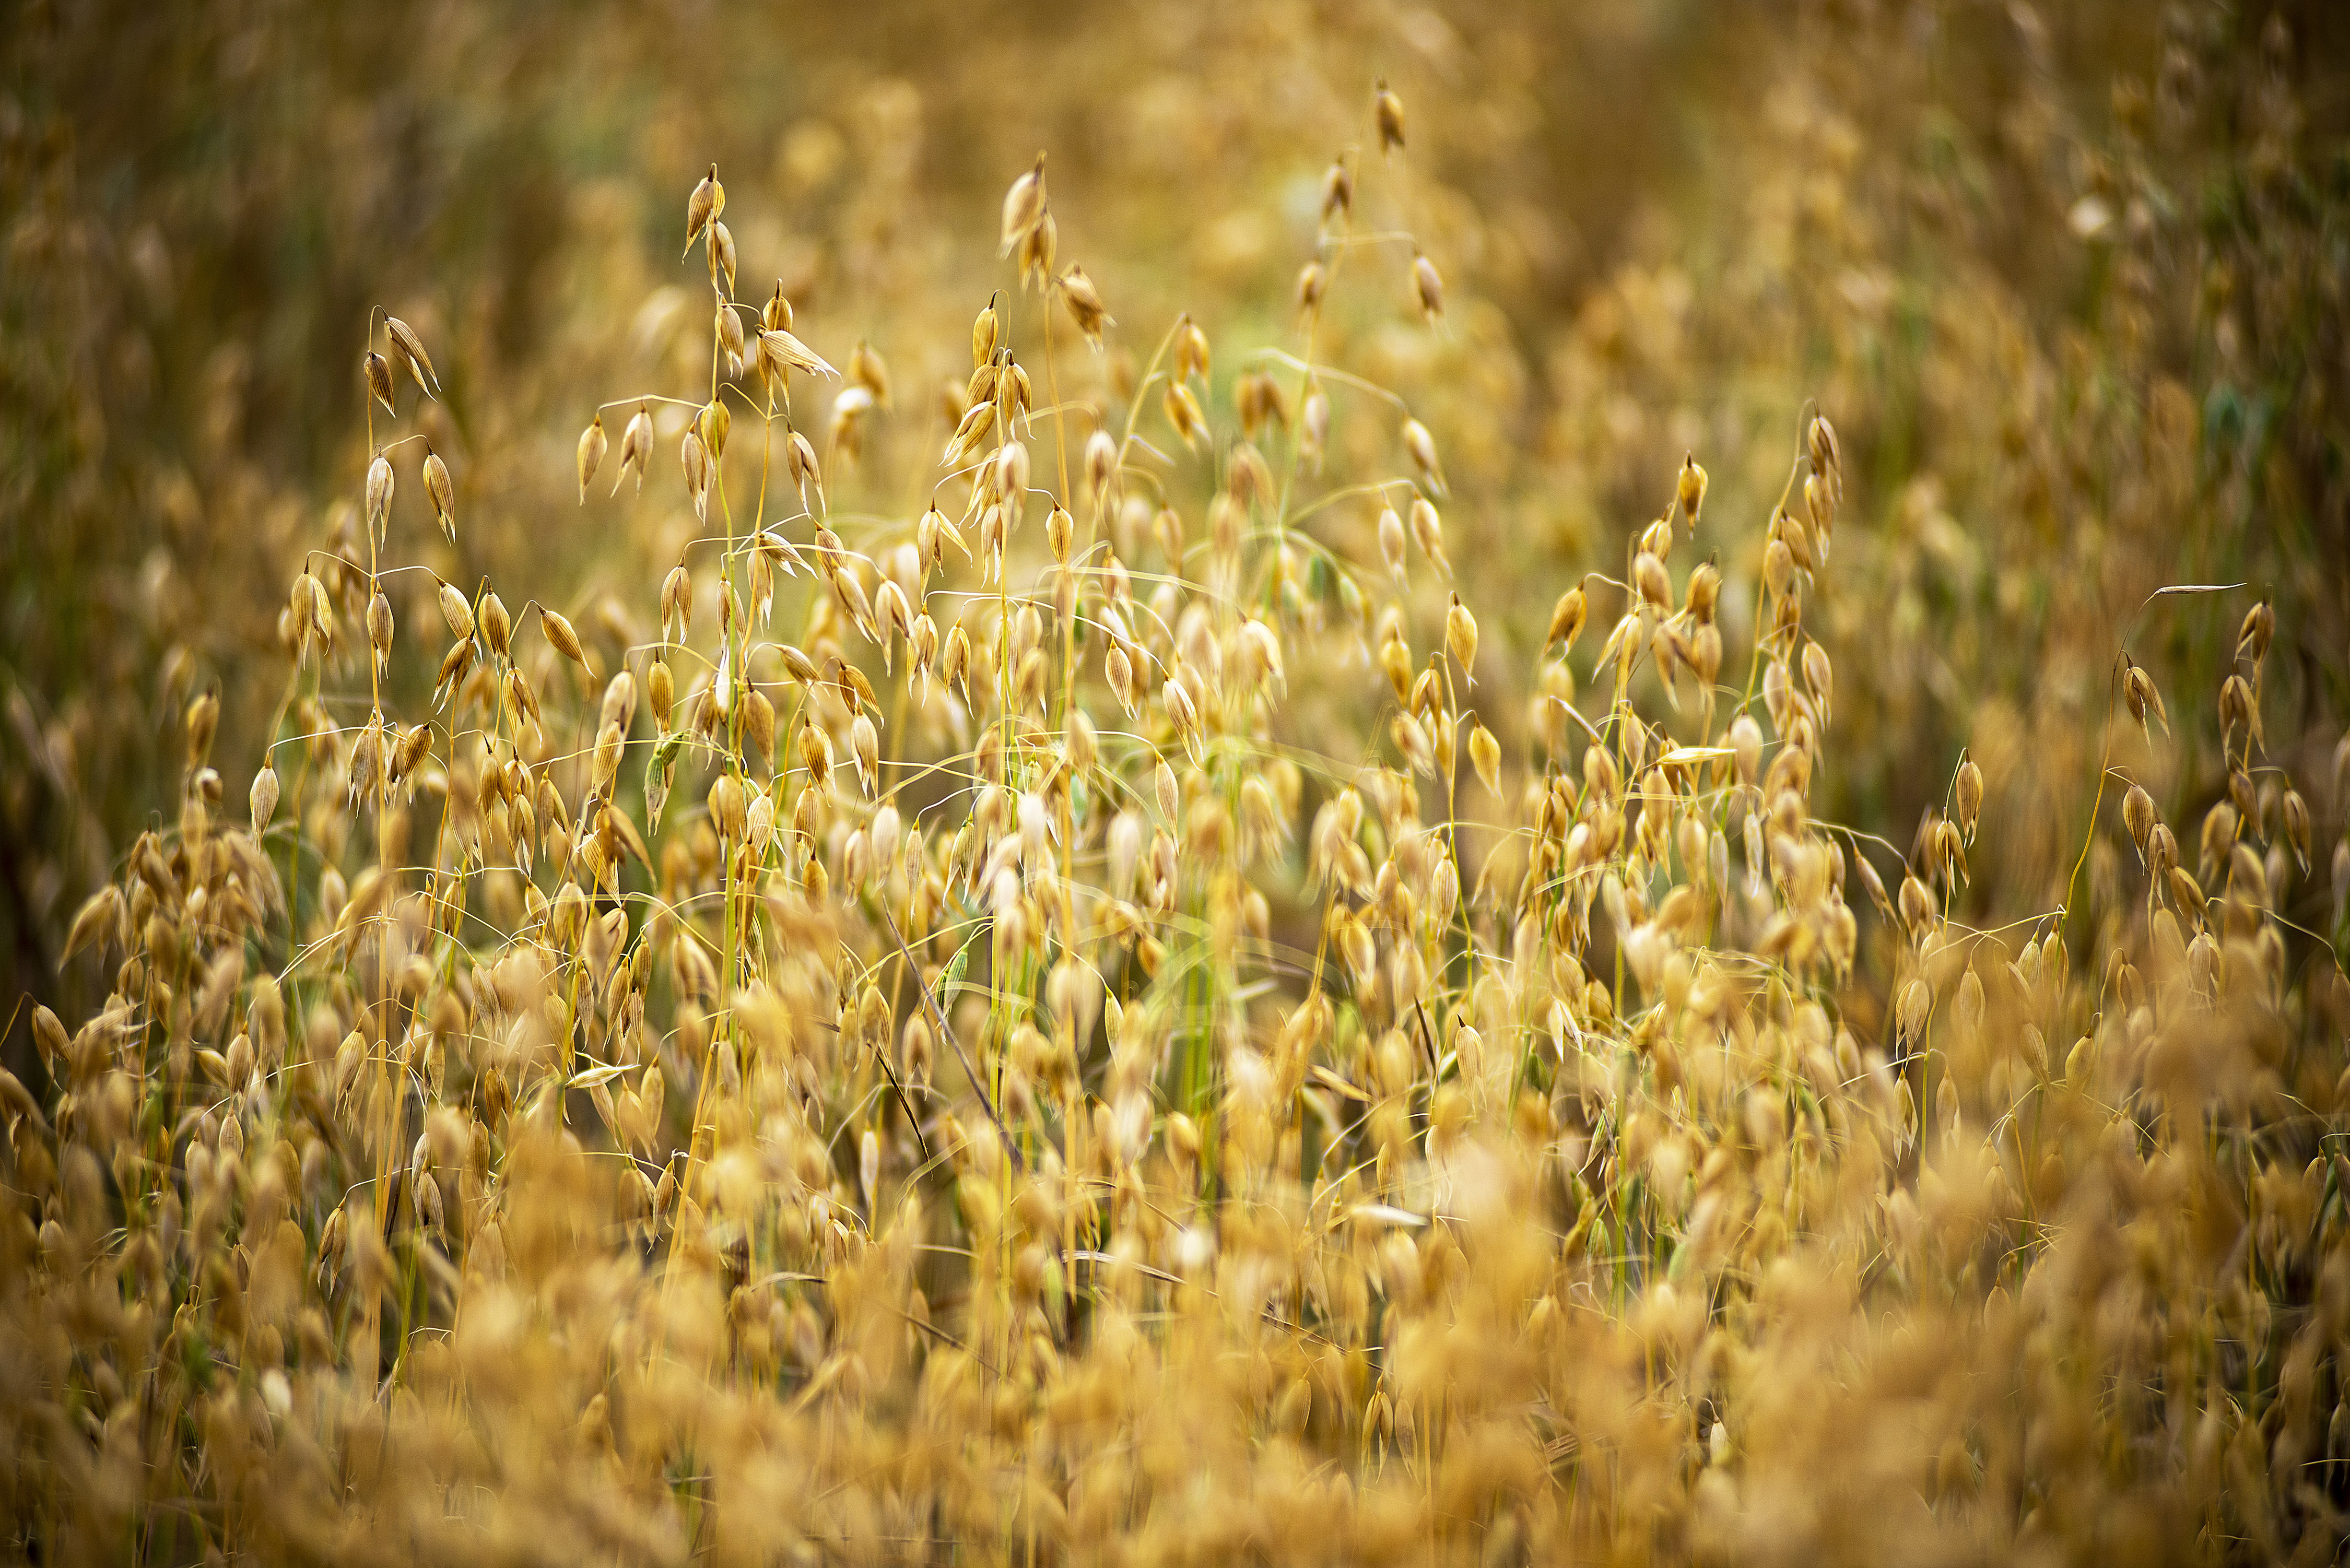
pixel 1421 447
pixel 442 494
pixel 865 741
pixel 1428 533
pixel 1180 711
pixel 378 379
pixel 729 804
pixel 1654 582
pixel 1970 794
pixel 1023 208
pixel 1460 637
pixel 660 691
pixel 709 200
pixel 608 745
pixel 380 487
pixel 1391 543
pixel 1689 488
pixel 984 329
pixel 1101 464
pixel 1387 109
pixel 264 798
pixel 1486 755
pixel 1566 618
pixel 1313 281
pixel 1084 305
pixel 1428 289
pixel 1120 672
pixel 593 444
pixel 1182 411
pixel 759 722
pixel 380 623
pixel 566 641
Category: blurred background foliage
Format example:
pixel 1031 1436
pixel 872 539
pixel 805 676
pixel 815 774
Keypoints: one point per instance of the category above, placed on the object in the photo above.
pixel 2069 281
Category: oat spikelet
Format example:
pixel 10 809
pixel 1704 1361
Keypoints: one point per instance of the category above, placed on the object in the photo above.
pixel 1421 447
pixel 1023 207
pixel 410 349
pixel 442 494
pixel 1460 637
pixel 1428 289
pixel 1084 305
pixel 636 448
pixel 593 444
pixel 709 200
pixel 378 379
pixel 1387 110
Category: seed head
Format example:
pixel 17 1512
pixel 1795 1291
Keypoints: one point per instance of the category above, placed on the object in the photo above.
pixel 380 487
pixel 1183 412
pixel 1023 207
pixel 1916 904
pixel 2140 692
pixel 1101 464
pixel 636 448
pixel 378 379
pixel 660 692
pixel 694 458
pixel 379 623
pixel 1338 191
pixel 781 353
pixel 1190 350
pixel 2295 812
pixel 1969 795
pixel 865 741
pixel 497 627
pixel 721 262
pixel 984 329
pixel 709 200
pixel 1485 754
pixel 1084 305
pixel 1118 670
pixel 264 798
pixel 410 349
pixel 1827 456
pixel 729 804
pixel 1690 489
pixel 1037 248
pixel 759 725
pixel 1649 574
pixel 868 369
pixel 1313 280
pixel 1819 675
pixel 2259 628
pixel 1391 545
pixel 1387 109
pixel 592 446
pixel 566 641
pixel 728 326
pixel 1428 289
pixel 1314 425
pixel 1566 618
pixel 1421 446
pixel 442 494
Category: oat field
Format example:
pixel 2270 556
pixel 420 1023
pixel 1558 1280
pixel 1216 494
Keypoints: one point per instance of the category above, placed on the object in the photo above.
pixel 1255 783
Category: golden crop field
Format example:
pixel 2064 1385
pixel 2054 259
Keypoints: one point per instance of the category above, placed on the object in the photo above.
pixel 1255 783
